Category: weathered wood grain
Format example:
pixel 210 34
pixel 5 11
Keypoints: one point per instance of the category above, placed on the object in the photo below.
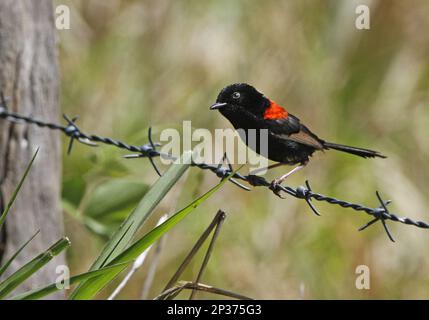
pixel 29 77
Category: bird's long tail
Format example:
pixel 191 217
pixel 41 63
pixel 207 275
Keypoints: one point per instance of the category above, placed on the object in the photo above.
pixel 361 152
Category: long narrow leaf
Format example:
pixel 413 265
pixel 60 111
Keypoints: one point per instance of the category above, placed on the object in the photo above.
pixel 139 246
pixel 138 262
pixel 9 284
pixel 42 292
pixel 7 264
pixel 15 193
pixel 122 237
pixel 91 287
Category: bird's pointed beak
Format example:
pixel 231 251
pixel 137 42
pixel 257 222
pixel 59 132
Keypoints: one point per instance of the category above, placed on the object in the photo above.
pixel 218 105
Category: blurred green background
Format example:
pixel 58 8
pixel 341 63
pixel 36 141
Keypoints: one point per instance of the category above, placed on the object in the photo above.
pixel 127 65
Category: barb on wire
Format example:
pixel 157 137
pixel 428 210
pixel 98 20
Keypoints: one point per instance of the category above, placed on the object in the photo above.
pixel 149 134
pixel 386 203
pixel 379 216
pixel 72 130
pixel 149 151
pixel 224 172
pixel 305 194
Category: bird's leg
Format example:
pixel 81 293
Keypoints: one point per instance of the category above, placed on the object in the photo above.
pixel 278 181
pixel 275 165
pixel 254 179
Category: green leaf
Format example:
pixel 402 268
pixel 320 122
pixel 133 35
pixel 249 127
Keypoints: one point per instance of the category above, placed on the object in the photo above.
pixel 70 209
pixel 15 194
pixel 141 213
pixel 110 203
pixel 99 228
pixel 74 188
pixel 113 196
pixel 90 288
pixel 42 292
pixel 7 264
pixel 141 245
pixel 10 283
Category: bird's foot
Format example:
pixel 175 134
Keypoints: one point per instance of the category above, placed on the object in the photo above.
pixel 276 187
pixel 256 181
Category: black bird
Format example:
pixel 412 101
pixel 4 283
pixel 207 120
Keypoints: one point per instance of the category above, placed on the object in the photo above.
pixel 289 141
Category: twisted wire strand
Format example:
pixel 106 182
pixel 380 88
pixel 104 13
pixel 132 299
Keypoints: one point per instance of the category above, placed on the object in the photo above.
pixel 149 151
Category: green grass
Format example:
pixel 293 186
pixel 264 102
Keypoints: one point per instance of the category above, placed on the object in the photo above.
pixel 90 288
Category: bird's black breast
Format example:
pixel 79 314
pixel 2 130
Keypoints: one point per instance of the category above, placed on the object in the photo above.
pixel 279 149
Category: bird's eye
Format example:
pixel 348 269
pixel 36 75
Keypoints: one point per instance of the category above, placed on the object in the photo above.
pixel 236 95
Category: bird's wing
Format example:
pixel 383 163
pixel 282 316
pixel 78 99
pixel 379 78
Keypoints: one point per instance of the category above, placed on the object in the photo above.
pixel 283 126
pixel 291 129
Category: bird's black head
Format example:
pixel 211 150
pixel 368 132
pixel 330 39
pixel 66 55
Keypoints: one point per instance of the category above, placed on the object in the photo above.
pixel 241 96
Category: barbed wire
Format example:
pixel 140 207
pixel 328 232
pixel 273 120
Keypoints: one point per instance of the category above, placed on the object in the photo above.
pixel 222 170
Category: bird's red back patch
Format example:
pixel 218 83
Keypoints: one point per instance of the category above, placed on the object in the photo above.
pixel 275 112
